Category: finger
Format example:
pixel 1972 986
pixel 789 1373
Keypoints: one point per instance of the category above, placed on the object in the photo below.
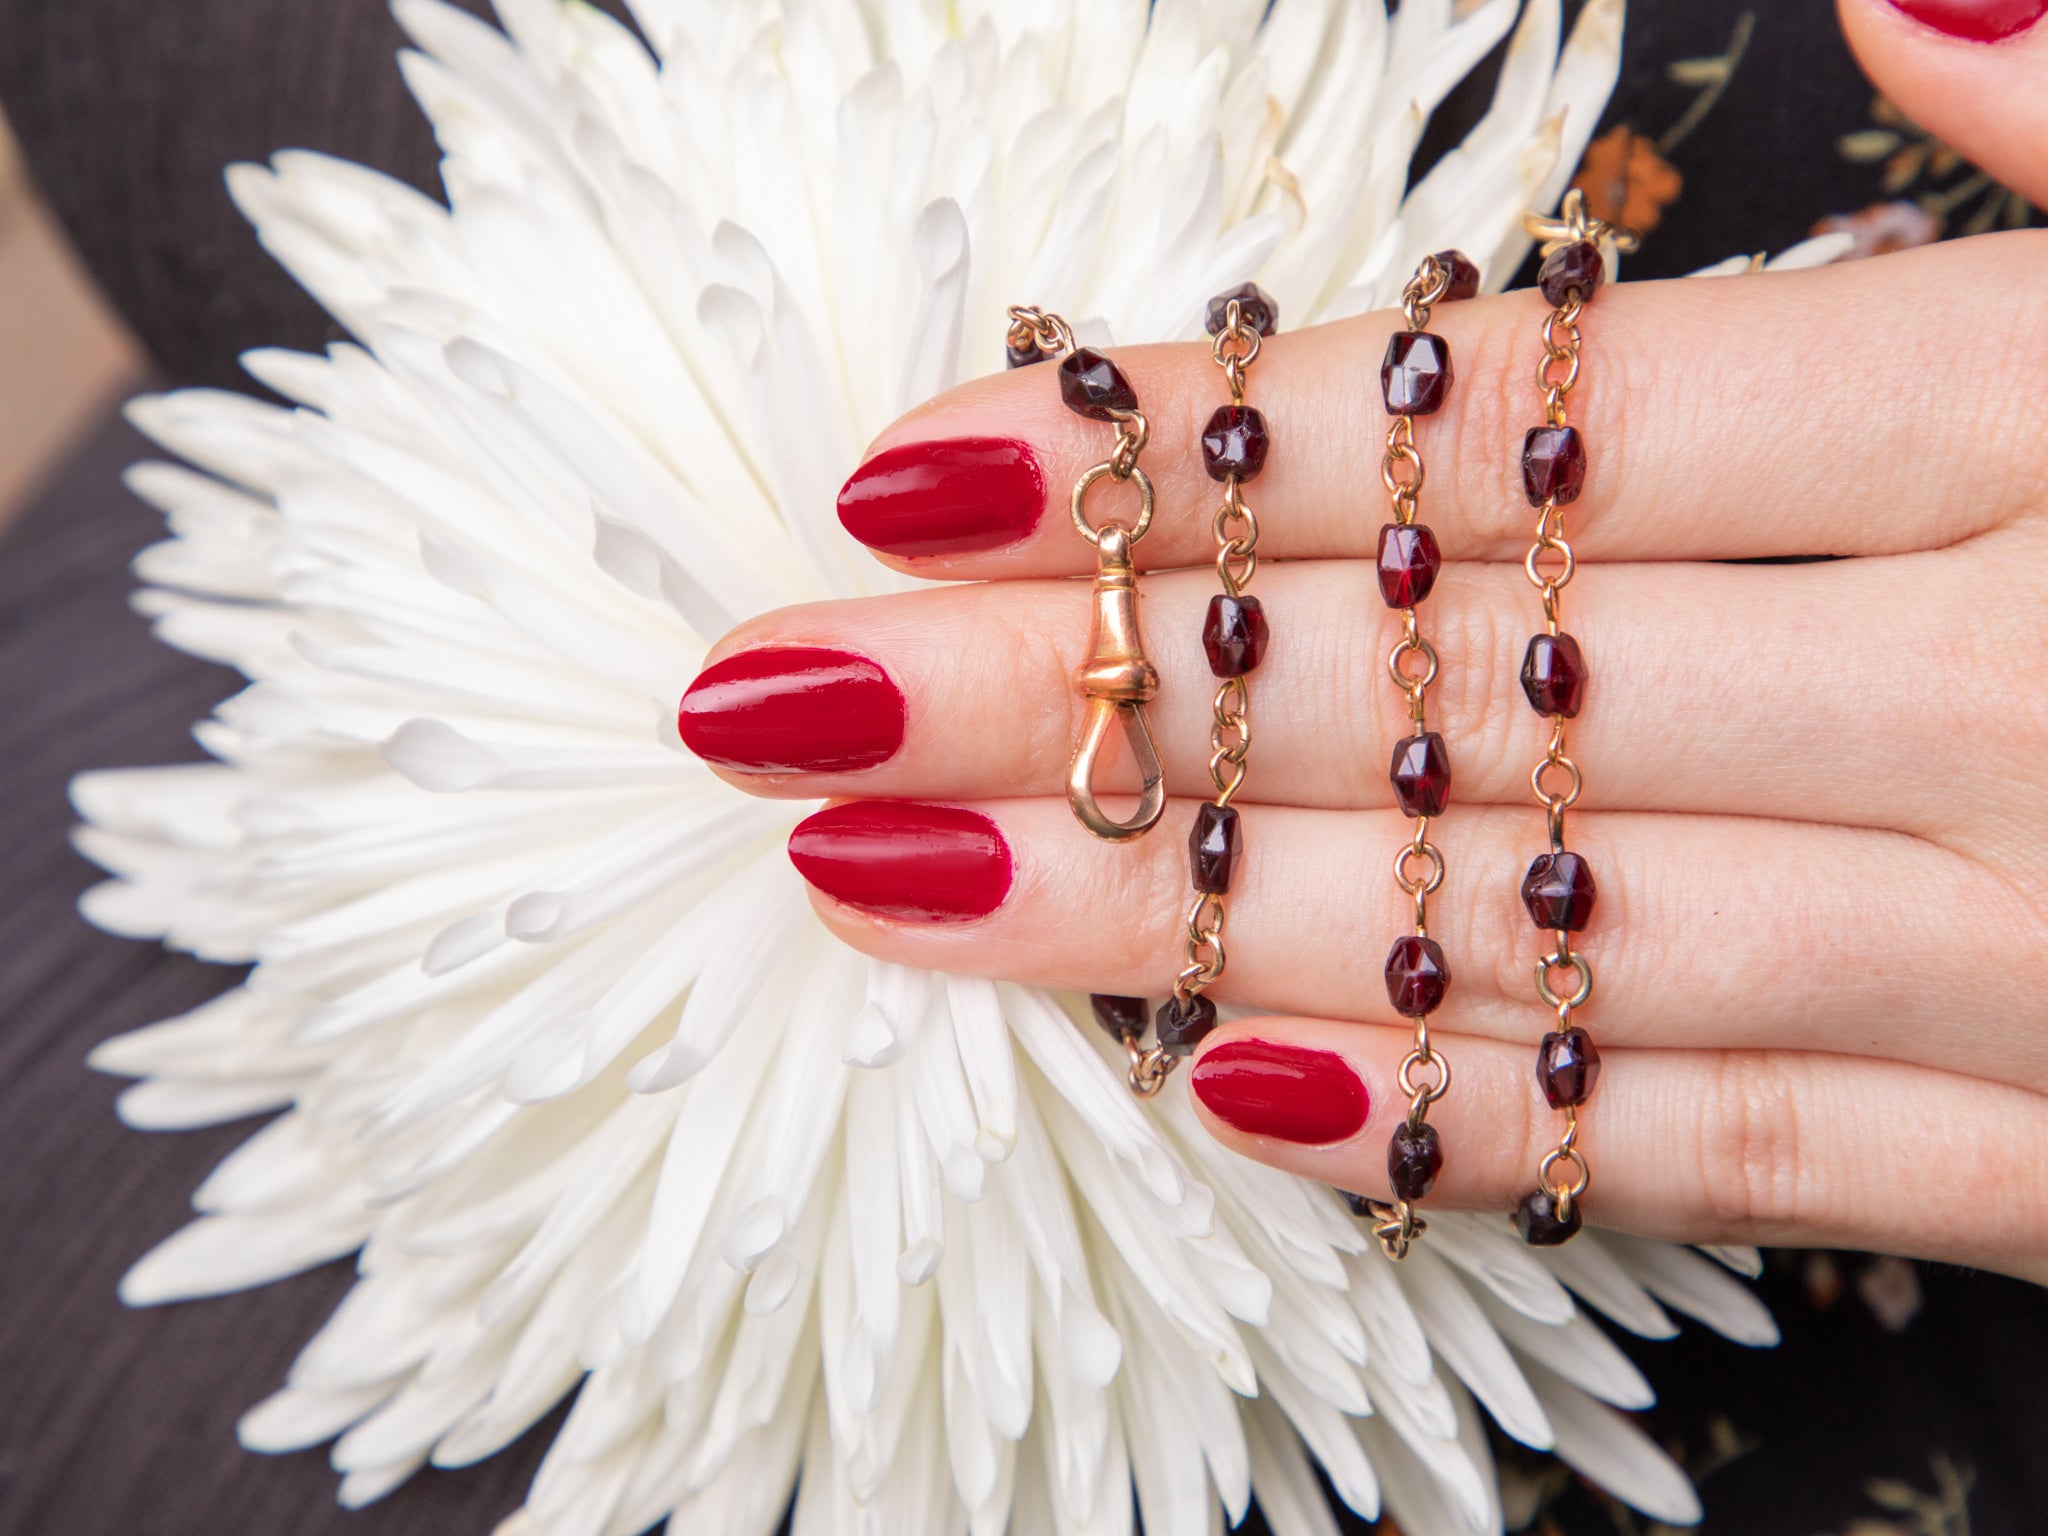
pixel 1706 931
pixel 1822 692
pixel 1777 1147
pixel 1771 414
pixel 1969 72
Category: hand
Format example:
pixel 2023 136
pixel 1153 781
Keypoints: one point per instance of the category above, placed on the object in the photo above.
pixel 1816 795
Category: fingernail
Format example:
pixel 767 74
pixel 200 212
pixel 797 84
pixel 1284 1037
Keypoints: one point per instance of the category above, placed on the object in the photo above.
pixel 899 858
pixel 793 709
pixel 946 497
pixel 1976 21
pixel 1263 1088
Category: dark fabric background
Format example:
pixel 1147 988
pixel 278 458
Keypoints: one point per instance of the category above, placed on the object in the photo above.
pixel 121 1422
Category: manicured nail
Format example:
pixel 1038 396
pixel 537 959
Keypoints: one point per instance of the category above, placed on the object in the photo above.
pixel 1263 1088
pixel 793 709
pixel 1976 21
pixel 946 497
pixel 899 858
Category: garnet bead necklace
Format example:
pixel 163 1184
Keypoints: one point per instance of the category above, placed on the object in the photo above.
pixel 1415 380
pixel 1558 890
pixel 1234 445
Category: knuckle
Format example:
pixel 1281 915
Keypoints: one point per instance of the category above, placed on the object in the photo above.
pixel 1749 1120
pixel 1479 631
pixel 1496 403
pixel 1366 711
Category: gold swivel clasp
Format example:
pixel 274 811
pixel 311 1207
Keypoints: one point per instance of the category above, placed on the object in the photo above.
pixel 1117 682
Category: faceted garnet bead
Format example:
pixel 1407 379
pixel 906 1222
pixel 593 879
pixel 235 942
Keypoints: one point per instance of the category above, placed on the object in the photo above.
pixel 1421 774
pixel 1124 1018
pixel 1409 561
pixel 1255 307
pixel 1537 1220
pixel 1464 276
pixel 1567 1067
pixel 1414 1159
pixel 1234 443
pixel 1417 975
pixel 1559 892
pixel 1553 465
pixel 1554 675
pixel 1182 1025
pixel 1574 268
pixel 1094 386
pixel 1416 373
pixel 1213 848
pixel 1234 634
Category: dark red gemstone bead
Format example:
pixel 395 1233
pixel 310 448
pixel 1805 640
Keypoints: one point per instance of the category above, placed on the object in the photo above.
pixel 1553 465
pixel 1416 373
pixel 1417 975
pixel 1183 1025
pixel 1234 443
pixel 1213 848
pixel 1567 1067
pixel 1024 357
pixel 1575 268
pixel 1537 1220
pixel 1255 307
pixel 1124 1018
pixel 1234 634
pixel 1421 774
pixel 1414 1159
pixel 1464 276
pixel 1409 561
pixel 1554 675
pixel 1559 892
pixel 1095 387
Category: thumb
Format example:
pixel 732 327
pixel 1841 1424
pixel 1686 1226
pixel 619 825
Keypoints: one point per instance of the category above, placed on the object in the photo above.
pixel 1974 73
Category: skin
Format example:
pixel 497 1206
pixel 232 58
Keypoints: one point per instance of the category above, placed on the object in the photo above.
pixel 1816 795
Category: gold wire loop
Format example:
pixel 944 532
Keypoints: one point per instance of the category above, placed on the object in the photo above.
pixel 1395 1225
pixel 1531 564
pixel 1427 884
pixel 1428 1093
pixel 1088 477
pixel 1032 326
pixel 1574 223
pixel 1149 1068
pixel 1557 960
pixel 1550 799
pixel 1581 1181
pixel 1412 645
pixel 1133 431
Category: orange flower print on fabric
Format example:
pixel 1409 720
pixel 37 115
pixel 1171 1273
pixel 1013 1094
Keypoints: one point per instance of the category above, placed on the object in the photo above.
pixel 1626 180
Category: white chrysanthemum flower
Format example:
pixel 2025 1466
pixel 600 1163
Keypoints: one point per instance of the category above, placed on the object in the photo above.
pixel 555 1040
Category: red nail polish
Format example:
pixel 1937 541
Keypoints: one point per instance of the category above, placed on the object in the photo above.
pixel 793 709
pixel 1976 21
pixel 900 858
pixel 950 496
pixel 1264 1088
